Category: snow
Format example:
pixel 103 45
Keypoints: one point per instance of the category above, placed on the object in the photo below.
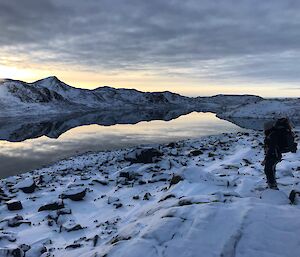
pixel 219 207
pixel 268 109
pixel 52 96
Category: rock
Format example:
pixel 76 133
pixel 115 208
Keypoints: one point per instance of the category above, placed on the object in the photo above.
pixel 118 205
pixel 12 252
pixel 74 228
pixel 112 199
pixel 27 185
pixel 175 179
pixel 52 206
pixel 102 182
pixel 147 196
pixel 74 194
pixel 145 155
pixel 25 247
pixel 95 240
pixel 73 246
pixel 136 197
pixel 211 154
pixel 167 197
pixel 9 236
pixel 171 145
pixel 124 174
pixel 64 211
pixel 293 197
pixel 196 152
pixel 14 205
pixel 17 221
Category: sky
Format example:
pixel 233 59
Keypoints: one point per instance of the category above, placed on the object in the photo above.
pixel 192 47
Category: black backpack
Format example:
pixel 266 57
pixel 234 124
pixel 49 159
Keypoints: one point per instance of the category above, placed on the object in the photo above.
pixel 286 138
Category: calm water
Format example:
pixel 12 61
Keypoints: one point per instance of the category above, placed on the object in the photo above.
pixel 27 145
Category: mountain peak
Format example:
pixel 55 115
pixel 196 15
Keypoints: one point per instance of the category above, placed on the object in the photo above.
pixel 50 79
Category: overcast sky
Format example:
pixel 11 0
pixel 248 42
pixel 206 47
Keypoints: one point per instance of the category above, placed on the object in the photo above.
pixel 192 47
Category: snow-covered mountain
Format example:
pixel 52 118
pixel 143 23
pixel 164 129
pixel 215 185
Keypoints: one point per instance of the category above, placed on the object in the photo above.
pixel 52 96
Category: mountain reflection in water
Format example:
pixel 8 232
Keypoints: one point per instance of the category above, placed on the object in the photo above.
pixel 30 143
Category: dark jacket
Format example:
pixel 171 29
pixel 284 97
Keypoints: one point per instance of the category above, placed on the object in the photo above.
pixel 271 145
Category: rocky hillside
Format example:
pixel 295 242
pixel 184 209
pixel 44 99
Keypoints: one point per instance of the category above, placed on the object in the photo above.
pixel 203 196
pixel 51 96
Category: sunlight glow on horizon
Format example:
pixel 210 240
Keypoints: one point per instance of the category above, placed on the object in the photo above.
pixel 143 81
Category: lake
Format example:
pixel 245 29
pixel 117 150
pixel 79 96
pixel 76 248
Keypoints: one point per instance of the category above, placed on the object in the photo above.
pixel 31 143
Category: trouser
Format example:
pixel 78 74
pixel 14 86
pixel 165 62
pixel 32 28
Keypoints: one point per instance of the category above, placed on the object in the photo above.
pixel 270 170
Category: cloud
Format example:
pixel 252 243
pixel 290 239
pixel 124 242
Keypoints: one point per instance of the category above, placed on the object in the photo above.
pixel 206 39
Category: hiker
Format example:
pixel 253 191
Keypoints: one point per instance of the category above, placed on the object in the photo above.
pixel 279 138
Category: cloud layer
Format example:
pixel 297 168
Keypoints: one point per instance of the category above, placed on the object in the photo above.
pixel 207 40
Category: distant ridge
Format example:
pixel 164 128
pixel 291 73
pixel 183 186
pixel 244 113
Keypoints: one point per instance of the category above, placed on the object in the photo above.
pixel 50 96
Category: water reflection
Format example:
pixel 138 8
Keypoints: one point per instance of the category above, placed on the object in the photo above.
pixel 42 148
pixel 17 130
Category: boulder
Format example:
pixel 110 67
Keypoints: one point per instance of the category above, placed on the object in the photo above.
pixel 144 155
pixel 147 196
pixel 112 199
pixel 17 221
pixel 196 152
pixel 12 252
pixel 27 185
pixel 52 206
pixel 14 205
pixel 74 194
pixel 175 179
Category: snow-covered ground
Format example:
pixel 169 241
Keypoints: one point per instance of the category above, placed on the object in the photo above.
pixel 203 197
pixel 267 109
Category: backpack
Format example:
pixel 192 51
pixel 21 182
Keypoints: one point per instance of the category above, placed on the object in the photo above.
pixel 286 138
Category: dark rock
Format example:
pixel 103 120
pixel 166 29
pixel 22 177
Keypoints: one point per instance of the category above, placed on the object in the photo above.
pixel 147 155
pixel 95 240
pixel 14 205
pixel 76 195
pixel 196 152
pixel 119 238
pixel 171 145
pixel 167 197
pixel 52 206
pixel 147 196
pixel 136 197
pixel 73 246
pixel 184 202
pixel 175 179
pixel 211 154
pixel 9 236
pixel 124 175
pixel 74 228
pixel 25 247
pixel 17 221
pixel 64 211
pixel 29 189
pixel 102 182
pixel 247 162
pixel 118 205
pixel 293 196
pixel 11 252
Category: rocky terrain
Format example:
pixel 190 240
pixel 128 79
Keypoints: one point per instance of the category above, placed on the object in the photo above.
pixel 203 196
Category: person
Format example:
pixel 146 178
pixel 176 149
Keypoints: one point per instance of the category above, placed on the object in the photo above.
pixel 279 138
